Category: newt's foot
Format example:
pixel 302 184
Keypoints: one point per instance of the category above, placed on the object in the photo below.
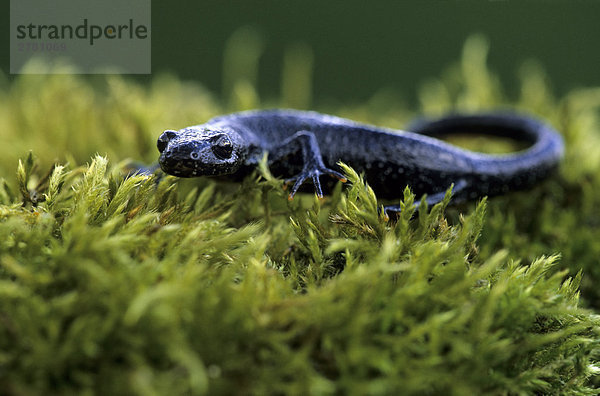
pixel 137 168
pixel 313 174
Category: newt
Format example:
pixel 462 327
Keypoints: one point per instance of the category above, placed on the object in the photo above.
pixel 304 146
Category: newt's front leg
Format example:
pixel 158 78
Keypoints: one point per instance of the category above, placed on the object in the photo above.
pixel 313 166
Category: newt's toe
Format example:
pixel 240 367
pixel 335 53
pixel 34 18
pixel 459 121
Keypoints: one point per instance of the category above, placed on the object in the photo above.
pixel 337 175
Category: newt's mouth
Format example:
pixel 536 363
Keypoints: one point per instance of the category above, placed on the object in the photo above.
pixel 190 167
pixel 185 159
pixel 177 167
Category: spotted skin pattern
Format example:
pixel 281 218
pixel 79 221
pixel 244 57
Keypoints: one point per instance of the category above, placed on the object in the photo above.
pixel 307 145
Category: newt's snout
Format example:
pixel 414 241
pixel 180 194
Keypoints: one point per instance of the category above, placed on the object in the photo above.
pixel 164 139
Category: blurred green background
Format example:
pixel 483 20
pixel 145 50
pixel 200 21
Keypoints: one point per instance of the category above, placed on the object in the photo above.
pixel 358 50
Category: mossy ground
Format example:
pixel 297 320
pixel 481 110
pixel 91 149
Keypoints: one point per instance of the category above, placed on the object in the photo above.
pixel 125 286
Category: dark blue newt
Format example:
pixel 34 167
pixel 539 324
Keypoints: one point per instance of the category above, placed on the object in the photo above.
pixel 306 145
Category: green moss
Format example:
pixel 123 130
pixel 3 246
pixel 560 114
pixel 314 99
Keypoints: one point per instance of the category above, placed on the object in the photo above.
pixel 125 286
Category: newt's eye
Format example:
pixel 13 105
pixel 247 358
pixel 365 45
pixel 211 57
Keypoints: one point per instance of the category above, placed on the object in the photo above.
pixel 222 147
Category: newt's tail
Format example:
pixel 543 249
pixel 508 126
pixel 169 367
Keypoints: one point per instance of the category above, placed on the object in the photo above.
pixel 515 170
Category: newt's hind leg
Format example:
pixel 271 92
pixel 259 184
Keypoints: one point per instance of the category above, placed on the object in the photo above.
pixel 313 166
pixel 431 200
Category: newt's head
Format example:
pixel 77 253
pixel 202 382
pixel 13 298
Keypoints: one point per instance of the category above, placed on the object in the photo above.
pixel 200 151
